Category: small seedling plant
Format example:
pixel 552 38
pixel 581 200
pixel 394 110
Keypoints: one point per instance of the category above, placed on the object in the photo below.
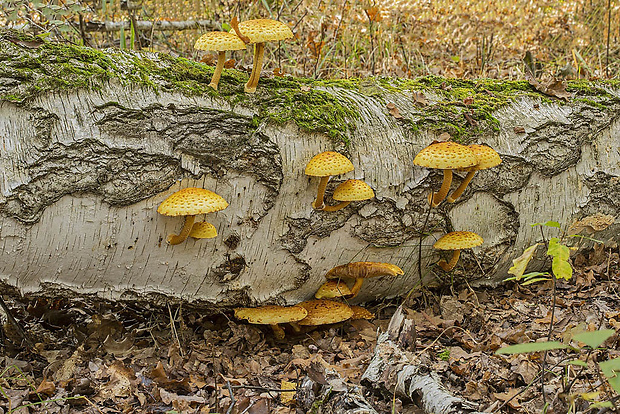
pixel 587 342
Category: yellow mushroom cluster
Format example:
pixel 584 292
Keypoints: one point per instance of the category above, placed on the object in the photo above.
pixel 251 32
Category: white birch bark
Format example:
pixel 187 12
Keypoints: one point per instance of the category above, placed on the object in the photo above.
pixel 82 172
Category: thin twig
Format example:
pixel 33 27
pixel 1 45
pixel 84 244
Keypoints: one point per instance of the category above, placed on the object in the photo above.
pixel 232 398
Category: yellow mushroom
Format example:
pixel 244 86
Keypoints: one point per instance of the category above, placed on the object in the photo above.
pixel 332 289
pixel 219 42
pixel 272 315
pixel 350 190
pixel 189 202
pixel 487 158
pixel 456 241
pixel 323 312
pixel 362 270
pixel 445 156
pixel 325 165
pixel 203 230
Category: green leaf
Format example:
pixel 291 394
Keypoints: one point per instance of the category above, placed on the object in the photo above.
pixel 594 339
pixel 610 369
pixel 601 404
pixel 531 347
pixel 547 224
pixel 577 362
pixel 561 269
pixel 226 27
pixel 132 36
pixel 520 263
pixel 537 279
pixel 557 249
pixel 123 40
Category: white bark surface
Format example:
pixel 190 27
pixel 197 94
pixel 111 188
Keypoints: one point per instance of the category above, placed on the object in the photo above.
pixel 83 171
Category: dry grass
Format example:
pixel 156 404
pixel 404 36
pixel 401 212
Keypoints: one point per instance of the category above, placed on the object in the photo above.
pixel 407 38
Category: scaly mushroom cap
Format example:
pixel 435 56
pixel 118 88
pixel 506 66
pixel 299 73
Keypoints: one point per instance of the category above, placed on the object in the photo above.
pixel 219 42
pixel 361 313
pixel 353 190
pixel 487 158
pixel 191 201
pixel 271 314
pixel 323 312
pixel 203 230
pixel 328 163
pixel 457 240
pixel 446 156
pixel 332 289
pixel 361 270
pixel 264 30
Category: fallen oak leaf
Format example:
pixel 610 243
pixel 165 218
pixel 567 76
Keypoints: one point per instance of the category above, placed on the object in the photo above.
pixel 420 98
pixel 519 130
pixel 394 110
pixel 553 87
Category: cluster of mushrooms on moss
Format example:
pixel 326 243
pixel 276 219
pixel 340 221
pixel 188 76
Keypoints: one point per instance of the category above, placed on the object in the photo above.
pixel 251 32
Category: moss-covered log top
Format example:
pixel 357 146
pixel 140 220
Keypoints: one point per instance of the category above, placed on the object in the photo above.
pixel 464 108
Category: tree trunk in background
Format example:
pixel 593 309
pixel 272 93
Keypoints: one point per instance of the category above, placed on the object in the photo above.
pixel 83 169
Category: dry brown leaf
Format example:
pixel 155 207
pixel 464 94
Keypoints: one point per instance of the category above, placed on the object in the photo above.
pixel 444 137
pixel 230 63
pixel 514 403
pixel 594 223
pixel 46 387
pixel 469 100
pixel 288 398
pixel 420 98
pixel 519 130
pixel 394 110
pixel 553 87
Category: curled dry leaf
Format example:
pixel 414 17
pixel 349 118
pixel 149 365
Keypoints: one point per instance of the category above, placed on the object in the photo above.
pixel 469 100
pixel 553 87
pixel 230 63
pixel 519 130
pixel 420 98
pixel 394 110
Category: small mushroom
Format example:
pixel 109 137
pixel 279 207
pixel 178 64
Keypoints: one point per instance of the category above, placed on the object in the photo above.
pixel 258 32
pixel 350 190
pixel 189 202
pixel 361 313
pixel 487 158
pixel 272 315
pixel 203 230
pixel 323 312
pixel 445 156
pixel 332 289
pixel 456 241
pixel 325 165
pixel 219 42
pixel 362 270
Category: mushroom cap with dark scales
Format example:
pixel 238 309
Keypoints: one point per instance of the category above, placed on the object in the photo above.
pixel 361 313
pixel 487 157
pixel 271 314
pixel 191 201
pixel 328 163
pixel 332 289
pixel 362 270
pixel 203 230
pixel 323 312
pixel 446 156
pixel 457 240
pixel 219 42
pixel 264 30
pixel 353 190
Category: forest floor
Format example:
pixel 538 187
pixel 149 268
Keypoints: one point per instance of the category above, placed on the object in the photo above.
pixel 91 356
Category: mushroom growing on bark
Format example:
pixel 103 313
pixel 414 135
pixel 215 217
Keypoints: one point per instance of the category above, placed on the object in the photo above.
pixel 362 270
pixel 272 315
pixel 219 42
pixel 258 32
pixel 487 158
pixel 332 289
pixel 325 165
pixel 456 241
pixel 323 312
pixel 350 190
pixel 445 156
pixel 189 202
pixel 203 230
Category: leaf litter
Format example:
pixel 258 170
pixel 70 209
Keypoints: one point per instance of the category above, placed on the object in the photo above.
pixel 99 357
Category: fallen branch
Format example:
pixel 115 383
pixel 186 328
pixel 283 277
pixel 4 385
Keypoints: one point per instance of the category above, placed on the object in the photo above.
pixel 394 369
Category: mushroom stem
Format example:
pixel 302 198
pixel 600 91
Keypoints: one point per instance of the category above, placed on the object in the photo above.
pixel 457 193
pixel 337 207
pixel 447 266
pixel 295 326
pixel 259 49
pixel 278 332
pixel 187 228
pixel 221 58
pixel 320 194
pixel 445 187
pixel 356 287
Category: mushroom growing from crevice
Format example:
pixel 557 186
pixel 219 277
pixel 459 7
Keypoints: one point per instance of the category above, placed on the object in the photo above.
pixel 258 32
pixel 272 315
pixel 487 158
pixel 350 190
pixel 332 289
pixel 325 165
pixel 361 313
pixel 189 202
pixel 445 156
pixel 323 312
pixel 203 230
pixel 219 42
pixel 359 271
pixel 456 241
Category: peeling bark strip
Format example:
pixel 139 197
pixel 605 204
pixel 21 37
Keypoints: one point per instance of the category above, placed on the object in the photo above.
pixel 395 370
pixel 91 142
